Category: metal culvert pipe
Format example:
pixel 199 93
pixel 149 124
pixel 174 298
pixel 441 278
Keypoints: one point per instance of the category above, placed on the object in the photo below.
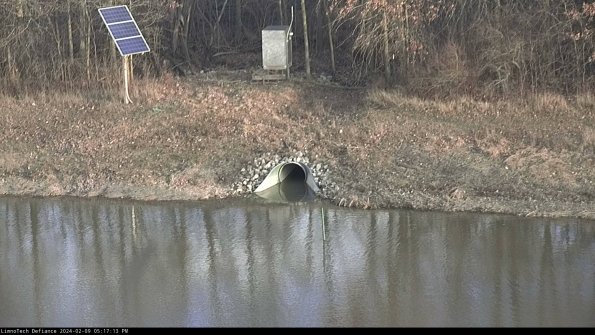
pixel 292 172
pixel 288 181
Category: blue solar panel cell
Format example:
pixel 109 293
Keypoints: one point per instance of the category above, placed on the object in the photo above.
pixel 123 30
pixel 133 45
pixel 115 14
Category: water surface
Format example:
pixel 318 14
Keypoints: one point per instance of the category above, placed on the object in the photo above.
pixel 70 262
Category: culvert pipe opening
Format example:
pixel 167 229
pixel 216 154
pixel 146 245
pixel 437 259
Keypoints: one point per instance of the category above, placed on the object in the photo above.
pixel 288 182
pixel 292 172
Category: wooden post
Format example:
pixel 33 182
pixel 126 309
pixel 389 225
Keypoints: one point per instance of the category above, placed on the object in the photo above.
pixel 130 69
pixel 126 78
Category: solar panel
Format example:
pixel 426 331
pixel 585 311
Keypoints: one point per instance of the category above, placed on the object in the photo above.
pixel 123 29
pixel 132 45
pixel 115 14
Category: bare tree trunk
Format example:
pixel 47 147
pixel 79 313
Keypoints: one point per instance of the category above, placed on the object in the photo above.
pixel 12 70
pixel 58 68
pixel 188 4
pixel 386 47
pixel 405 31
pixel 88 45
pixel 238 21
pixel 218 33
pixel 70 41
pixel 177 19
pixel 318 30
pixel 281 12
pixel 306 46
pixel 330 35
pixel 82 27
pixel 95 58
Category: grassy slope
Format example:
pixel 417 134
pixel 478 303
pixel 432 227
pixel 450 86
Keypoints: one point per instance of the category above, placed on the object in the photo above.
pixel 189 139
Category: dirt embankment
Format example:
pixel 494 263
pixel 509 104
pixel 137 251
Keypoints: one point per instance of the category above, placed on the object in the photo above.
pixel 190 139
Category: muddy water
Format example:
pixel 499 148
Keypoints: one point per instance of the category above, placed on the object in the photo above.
pixel 68 262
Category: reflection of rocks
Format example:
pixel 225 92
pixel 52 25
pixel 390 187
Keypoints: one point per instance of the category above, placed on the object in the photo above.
pixel 252 175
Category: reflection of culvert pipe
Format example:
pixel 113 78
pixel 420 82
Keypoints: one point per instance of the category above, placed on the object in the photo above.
pixel 288 181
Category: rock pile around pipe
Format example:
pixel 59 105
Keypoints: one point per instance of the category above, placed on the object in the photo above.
pixel 251 176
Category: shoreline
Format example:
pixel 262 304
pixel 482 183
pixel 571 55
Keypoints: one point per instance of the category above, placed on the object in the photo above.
pixel 485 205
pixel 190 139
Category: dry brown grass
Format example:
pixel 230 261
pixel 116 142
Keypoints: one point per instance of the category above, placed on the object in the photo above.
pixel 549 103
pixel 185 139
pixel 390 99
pixel 588 141
pixel 585 101
pixel 548 167
pixel 11 162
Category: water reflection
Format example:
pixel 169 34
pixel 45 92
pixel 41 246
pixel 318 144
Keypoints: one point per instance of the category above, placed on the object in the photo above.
pixel 288 191
pixel 106 263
